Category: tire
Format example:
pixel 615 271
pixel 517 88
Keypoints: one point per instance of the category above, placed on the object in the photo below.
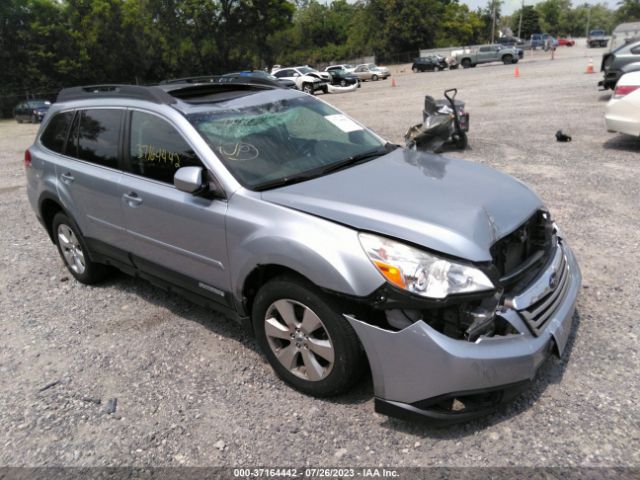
pixel 281 309
pixel 33 119
pixel 507 59
pixel 325 89
pixel 466 63
pixel 460 140
pixel 307 88
pixel 343 83
pixel 415 69
pixel 374 78
pixel 74 252
pixel 18 120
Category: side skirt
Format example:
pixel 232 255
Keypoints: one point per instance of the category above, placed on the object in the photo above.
pixel 166 279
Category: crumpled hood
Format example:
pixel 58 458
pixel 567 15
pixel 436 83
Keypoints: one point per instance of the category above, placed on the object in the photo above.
pixel 448 205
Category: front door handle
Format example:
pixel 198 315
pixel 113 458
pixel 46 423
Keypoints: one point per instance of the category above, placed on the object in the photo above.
pixel 132 199
pixel 67 178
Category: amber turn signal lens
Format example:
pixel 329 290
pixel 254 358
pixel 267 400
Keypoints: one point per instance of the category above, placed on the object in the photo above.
pixel 391 273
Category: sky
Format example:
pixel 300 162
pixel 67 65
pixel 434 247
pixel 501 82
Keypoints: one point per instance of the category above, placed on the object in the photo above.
pixel 509 6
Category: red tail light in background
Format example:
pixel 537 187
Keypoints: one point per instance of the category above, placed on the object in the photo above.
pixel 27 158
pixel 623 90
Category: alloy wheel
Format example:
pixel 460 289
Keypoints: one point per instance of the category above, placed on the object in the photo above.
pixel 299 340
pixel 71 249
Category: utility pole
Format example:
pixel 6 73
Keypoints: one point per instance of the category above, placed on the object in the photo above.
pixel 520 22
pixel 493 22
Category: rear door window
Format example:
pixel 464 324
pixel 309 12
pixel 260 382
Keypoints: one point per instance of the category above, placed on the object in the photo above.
pixel 156 149
pixel 55 134
pixel 96 136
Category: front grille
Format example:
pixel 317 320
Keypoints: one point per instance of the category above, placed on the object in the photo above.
pixel 524 251
pixel 537 314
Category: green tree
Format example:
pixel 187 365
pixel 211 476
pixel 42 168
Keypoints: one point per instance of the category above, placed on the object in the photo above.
pixel 459 26
pixel 490 17
pixel 628 11
pixel 551 12
pixel 530 21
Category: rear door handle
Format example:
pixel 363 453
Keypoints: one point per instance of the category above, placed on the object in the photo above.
pixel 132 199
pixel 67 178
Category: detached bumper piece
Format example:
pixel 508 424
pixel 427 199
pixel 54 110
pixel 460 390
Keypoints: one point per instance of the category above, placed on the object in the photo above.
pixel 454 407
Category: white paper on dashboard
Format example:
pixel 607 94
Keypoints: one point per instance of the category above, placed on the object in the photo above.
pixel 343 123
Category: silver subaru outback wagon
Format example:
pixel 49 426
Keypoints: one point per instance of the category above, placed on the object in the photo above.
pixel 337 249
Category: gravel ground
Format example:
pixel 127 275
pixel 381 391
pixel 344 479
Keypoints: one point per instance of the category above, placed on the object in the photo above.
pixel 192 388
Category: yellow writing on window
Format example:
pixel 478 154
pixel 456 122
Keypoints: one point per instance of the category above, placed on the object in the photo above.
pixel 153 154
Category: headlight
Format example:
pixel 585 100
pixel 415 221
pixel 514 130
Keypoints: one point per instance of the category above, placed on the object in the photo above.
pixel 420 272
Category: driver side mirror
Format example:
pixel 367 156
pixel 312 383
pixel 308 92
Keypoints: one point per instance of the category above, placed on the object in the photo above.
pixel 296 74
pixel 190 180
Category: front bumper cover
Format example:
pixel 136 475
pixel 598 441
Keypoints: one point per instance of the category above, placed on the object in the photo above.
pixel 417 367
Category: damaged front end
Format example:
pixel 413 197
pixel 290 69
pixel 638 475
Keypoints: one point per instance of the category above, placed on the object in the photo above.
pixel 458 357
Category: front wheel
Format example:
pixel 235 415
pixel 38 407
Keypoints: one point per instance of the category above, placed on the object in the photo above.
pixel 466 63
pixel 507 59
pixel 74 253
pixel 307 88
pixel 460 140
pixel 305 337
pixel 374 77
pixel 415 69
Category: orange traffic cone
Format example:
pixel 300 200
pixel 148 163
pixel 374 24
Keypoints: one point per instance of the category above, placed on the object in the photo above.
pixel 516 72
pixel 393 82
pixel 590 66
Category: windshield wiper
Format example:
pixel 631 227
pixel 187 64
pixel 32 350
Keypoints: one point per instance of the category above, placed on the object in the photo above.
pixel 281 182
pixel 360 158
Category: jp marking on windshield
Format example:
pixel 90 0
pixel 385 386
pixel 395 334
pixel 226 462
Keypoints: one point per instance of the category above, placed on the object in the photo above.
pixel 240 152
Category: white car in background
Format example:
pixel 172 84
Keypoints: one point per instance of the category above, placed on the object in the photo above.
pixel 347 66
pixel 307 79
pixel 623 110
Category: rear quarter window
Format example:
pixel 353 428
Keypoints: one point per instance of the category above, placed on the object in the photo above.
pixel 55 135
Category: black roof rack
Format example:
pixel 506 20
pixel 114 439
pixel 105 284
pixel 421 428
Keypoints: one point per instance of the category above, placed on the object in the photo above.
pixel 200 79
pixel 150 94
pixel 240 78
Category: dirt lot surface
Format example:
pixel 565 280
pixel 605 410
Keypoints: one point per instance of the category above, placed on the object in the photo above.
pixel 192 388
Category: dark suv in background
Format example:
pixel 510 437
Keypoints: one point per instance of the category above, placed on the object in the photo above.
pixel 428 64
pixel 32 111
pixel 624 59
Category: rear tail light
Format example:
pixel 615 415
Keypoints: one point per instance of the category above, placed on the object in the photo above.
pixel 623 90
pixel 27 158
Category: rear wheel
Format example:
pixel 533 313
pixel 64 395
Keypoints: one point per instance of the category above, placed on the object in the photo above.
pixel 74 252
pixel 305 337
pixel 415 69
pixel 466 63
pixel 374 77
